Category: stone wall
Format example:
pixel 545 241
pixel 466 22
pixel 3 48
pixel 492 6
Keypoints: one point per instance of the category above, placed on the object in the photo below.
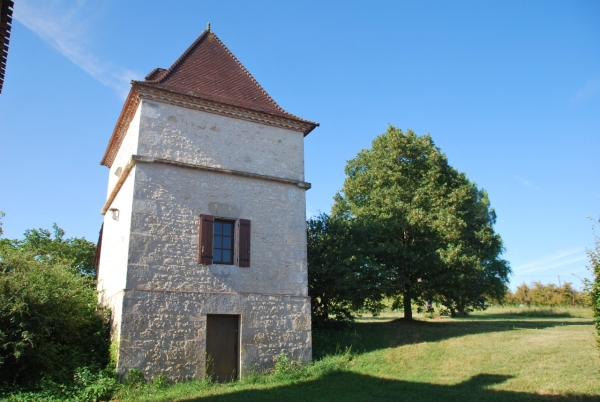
pixel 165 331
pixel 168 202
pixel 112 275
pixel 128 147
pixel 185 135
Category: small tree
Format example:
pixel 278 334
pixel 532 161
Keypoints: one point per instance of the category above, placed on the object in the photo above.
pixel 340 279
pixel 594 298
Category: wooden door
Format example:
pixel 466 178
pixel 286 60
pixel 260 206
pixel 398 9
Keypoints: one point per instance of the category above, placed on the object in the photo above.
pixel 222 341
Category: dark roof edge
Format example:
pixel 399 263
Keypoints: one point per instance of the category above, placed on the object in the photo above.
pixel 6 11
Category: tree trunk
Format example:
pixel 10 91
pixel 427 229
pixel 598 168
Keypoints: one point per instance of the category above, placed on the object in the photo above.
pixel 407 306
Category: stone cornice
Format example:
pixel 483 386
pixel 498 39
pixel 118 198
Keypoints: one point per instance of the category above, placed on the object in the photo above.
pixel 215 292
pixel 118 185
pixel 204 292
pixel 139 92
pixel 146 159
pixel 129 108
pixel 191 102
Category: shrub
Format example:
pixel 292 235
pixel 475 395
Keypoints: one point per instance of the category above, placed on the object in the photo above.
pixel 99 386
pixel 135 378
pixel 161 381
pixel 49 321
pixel 284 367
pixel 551 295
pixel 594 297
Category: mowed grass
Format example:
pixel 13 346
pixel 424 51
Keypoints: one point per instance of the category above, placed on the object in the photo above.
pixel 502 354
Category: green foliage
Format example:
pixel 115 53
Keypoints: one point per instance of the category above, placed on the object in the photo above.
pixel 284 366
pixel 340 279
pixel 50 323
pixel 1 216
pixel 431 236
pixel 95 386
pixel 88 385
pixel 594 299
pixel 551 295
pixel 134 378
pixel 472 274
pixel 161 381
pixel 48 246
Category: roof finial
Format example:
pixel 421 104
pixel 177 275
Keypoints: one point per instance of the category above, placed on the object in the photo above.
pixel 208 26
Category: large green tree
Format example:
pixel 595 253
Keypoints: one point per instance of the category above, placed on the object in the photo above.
pixel 431 227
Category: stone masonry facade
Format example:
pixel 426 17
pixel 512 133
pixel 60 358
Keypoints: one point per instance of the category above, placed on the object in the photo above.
pixel 174 165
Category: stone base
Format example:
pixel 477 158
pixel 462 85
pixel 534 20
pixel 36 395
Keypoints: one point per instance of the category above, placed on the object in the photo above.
pixel 165 331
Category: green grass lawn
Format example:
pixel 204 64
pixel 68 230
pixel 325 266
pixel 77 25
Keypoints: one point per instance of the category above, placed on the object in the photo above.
pixel 502 354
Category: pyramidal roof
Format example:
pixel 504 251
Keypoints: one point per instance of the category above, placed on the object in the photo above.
pixel 208 70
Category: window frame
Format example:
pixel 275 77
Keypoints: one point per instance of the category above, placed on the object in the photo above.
pixel 231 248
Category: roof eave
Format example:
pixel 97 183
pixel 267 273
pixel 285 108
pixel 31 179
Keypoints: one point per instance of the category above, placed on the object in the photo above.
pixel 129 108
pixel 281 116
pixel 135 96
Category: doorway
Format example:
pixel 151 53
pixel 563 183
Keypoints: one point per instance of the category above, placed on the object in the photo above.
pixel 222 347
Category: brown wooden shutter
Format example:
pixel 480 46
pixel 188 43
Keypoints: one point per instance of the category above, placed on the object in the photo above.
pixel 244 243
pixel 205 239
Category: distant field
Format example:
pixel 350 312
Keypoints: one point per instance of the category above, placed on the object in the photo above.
pixel 503 354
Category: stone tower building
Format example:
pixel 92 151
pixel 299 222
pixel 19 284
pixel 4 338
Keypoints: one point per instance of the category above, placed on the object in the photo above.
pixel 203 248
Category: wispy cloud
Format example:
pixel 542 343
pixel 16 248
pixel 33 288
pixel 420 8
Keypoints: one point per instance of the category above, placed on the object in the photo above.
pixel 590 89
pixel 553 261
pixel 526 183
pixel 66 26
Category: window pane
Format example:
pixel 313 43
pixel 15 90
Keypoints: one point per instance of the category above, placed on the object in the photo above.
pixel 217 256
pixel 218 242
pixel 218 228
pixel 227 242
pixel 227 228
pixel 226 256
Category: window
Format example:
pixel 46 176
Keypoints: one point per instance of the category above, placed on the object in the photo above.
pixel 222 242
pixel 216 241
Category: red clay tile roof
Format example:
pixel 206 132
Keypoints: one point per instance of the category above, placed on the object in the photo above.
pixel 208 70
pixel 6 7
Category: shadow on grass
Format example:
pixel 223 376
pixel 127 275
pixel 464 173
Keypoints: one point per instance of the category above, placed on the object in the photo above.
pixel 533 313
pixel 348 386
pixel 363 337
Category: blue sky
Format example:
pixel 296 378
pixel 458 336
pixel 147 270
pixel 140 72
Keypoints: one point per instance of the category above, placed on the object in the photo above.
pixel 509 90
